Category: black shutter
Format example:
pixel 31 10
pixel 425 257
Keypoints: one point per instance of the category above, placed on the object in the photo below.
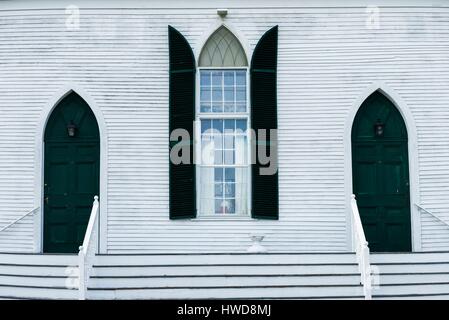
pixel 265 198
pixel 182 115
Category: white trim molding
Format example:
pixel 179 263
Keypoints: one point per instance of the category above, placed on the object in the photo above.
pixel 412 155
pixel 39 163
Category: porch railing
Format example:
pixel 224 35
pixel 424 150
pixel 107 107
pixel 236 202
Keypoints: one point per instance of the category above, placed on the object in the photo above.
pixel 88 250
pixel 19 219
pixel 361 249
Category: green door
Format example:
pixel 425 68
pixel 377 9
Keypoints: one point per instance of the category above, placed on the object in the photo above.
pixel 381 174
pixel 71 174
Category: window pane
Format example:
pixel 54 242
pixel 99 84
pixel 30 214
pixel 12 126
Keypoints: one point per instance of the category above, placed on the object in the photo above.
pixel 241 146
pixel 205 78
pixel 207 150
pixel 218 208
pixel 218 174
pixel 240 126
pixel 229 94
pixel 240 79
pixel 230 174
pixel 205 95
pixel 229 126
pixel 229 78
pixel 217 95
pixel 217 107
pixel 229 141
pixel 229 190
pixel 205 107
pixel 229 157
pixel 240 94
pixel 218 157
pixel 217 125
pixel 230 205
pixel 229 107
pixel 218 190
pixel 217 78
pixel 206 125
pixel 240 107
pixel 218 141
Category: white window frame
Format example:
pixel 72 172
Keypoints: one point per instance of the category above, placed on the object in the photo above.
pixel 222 115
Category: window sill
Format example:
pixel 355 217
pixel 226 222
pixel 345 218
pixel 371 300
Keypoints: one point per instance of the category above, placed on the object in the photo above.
pixel 223 218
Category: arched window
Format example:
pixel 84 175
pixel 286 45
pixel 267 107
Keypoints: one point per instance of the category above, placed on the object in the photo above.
pixel 223 113
pixel 223 49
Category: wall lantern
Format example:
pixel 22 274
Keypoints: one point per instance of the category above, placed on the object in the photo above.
pixel 379 128
pixel 71 129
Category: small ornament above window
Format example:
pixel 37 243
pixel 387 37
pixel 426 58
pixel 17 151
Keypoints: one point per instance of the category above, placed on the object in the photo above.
pixel 222 12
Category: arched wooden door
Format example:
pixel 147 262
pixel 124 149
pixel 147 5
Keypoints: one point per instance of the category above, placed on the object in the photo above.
pixel 71 174
pixel 381 174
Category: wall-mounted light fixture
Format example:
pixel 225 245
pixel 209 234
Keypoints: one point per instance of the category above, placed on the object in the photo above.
pixel 71 129
pixel 379 128
pixel 222 12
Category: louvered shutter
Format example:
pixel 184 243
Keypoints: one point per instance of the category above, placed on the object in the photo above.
pixel 265 198
pixel 181 114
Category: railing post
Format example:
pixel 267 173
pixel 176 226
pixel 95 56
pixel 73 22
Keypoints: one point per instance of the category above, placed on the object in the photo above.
pixel 87 250
pixel 367 281
pixel 361 249
pixel 82 273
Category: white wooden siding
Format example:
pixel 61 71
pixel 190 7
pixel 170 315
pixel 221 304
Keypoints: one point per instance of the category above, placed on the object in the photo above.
pixel 327 58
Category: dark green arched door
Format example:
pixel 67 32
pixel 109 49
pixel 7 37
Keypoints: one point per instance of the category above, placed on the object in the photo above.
pixel 71 174
pixel 381 174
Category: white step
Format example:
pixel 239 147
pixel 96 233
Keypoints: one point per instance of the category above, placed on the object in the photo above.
pixel 295 292
pixel 418 297
pixel 21 292
pixel 401 268
pixel 412 289
pixel 38 259
pixel 59 271
pixel 34 276
pixel 298 280
pixel 223 270
pixel 226 259
pixel 377 258
pixel 416 278
pixel 44 281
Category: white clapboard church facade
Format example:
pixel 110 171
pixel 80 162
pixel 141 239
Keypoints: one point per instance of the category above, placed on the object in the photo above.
pixel 224 149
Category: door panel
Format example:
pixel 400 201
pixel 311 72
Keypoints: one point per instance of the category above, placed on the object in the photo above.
pixel 381 175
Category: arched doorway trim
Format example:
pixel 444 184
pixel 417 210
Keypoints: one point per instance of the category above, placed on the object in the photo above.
pixel 46 111
pixel 407 116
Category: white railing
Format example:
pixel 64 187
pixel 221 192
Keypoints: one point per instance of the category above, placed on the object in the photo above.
pixel 88 250
pixel 361 249
pixel 432 214
pixel 18 219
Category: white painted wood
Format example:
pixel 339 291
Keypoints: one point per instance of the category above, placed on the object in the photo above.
pixel 118 59
pixel 19 292
pixel 417 289
pixel 148 271
pixel 409 258
pixel 225 259
pixel 38 259
pixel 235 293
pixel 104 283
